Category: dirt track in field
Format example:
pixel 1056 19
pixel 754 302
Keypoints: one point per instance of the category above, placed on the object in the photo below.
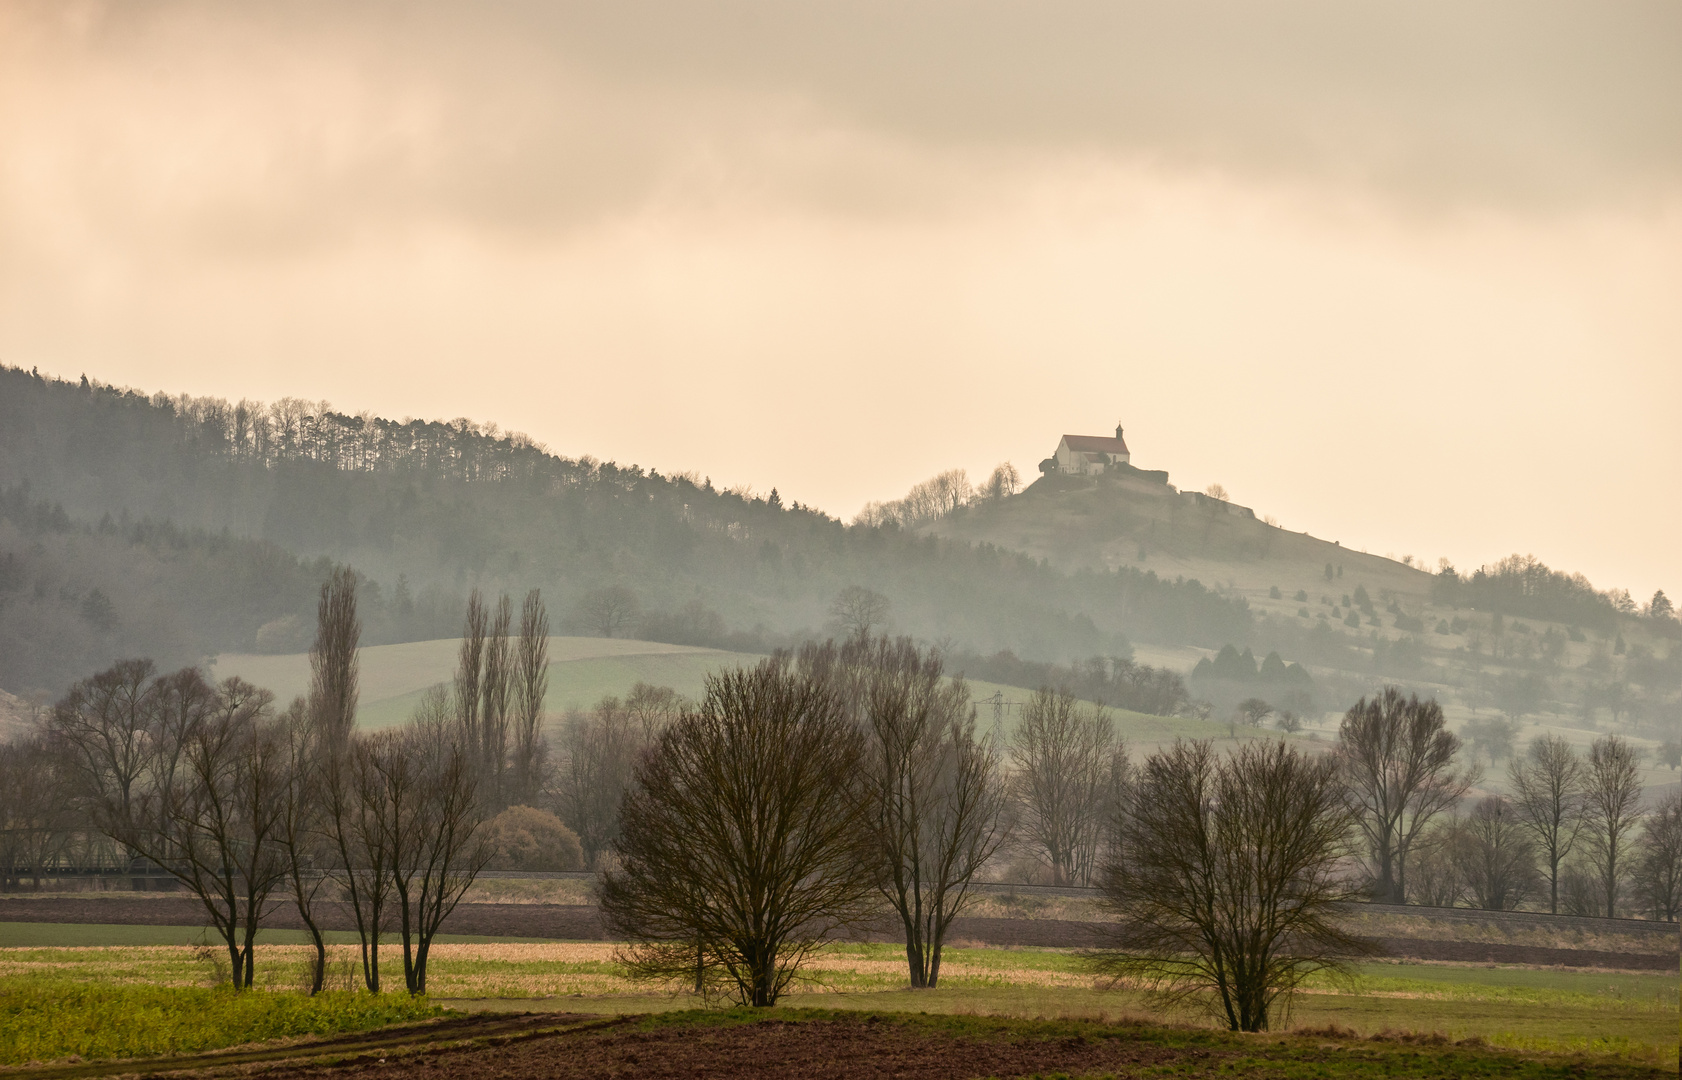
pixel 583 923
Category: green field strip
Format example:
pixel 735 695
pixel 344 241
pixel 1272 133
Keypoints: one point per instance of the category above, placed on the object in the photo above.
pixel 579 684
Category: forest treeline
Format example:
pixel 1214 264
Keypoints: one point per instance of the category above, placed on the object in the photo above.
pixel 1523 585
pixel 200 525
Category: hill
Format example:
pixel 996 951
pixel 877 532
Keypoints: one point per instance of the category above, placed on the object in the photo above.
pixel 1514 637
pixel 1129 519
pixel 179 527
pixel 176 527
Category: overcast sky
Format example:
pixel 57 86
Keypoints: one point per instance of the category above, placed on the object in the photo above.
pixel 1405 275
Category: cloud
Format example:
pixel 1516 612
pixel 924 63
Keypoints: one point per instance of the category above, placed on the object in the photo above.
pixel 274 129
pixel 1436 236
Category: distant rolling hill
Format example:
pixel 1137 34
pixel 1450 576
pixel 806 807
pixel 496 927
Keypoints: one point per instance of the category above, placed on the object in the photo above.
pixel 1122 520
pixel 167 526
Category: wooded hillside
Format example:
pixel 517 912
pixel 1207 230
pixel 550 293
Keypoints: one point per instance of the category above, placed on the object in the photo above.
pixel 178 526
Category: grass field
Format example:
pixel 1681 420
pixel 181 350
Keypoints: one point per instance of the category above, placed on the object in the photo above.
pixel 584 670
pixel 50 1020
pixel 1632 1017
pixel 581 672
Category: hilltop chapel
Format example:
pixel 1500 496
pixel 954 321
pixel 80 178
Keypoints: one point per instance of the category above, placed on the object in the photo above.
pixel 1086 455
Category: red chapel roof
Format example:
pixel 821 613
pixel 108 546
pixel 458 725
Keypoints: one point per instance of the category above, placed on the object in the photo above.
pixel 1095 444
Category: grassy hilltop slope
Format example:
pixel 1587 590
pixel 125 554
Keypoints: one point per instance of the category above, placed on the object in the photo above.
pixel 1129 520
pixel 1511 650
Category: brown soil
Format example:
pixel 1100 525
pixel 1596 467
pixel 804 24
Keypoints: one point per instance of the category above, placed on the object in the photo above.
pixel 849 1048
pixel 845 1047
pixel 579 923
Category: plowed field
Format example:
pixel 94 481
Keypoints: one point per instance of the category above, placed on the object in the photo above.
pixel 870 1047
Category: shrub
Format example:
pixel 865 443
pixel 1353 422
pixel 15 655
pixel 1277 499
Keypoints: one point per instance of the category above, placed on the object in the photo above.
pixel 526 838
pixel 1274 593
pixel 1302 596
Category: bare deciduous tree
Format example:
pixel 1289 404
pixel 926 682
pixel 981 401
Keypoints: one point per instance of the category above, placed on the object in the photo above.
pixel 37 819
pixel 935 796
pixel 208 809
pixel 608 610
pixel 1492 852
pixel 333 659
pixel 356 805
pixel 187 777
pixel 433 823
pixel 102 727
pixel 1226 880
pixel 1398 769
pixel 742 838
pixel 1547 787
pixel 653 708
pixel 856 611
pixel 302 828
pixel 1612 796
pixel 1254 711
pixel 1063 753
pixel 532 664
pixel 1659 872
pixel 598 756
pixel 1003 483
pixel 1433 876
pixel 925 502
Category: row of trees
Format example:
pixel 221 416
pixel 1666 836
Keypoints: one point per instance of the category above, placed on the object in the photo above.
pixel 249 806
pixel 1571 834
pixel 1523 585
pixel 807 793
pixel 1570 817
pixel 939 495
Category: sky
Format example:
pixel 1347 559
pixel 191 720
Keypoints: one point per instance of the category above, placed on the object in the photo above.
pixel 1403 275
